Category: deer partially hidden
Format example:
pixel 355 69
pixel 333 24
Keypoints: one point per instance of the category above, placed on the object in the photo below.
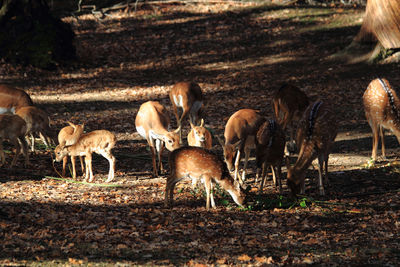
pixel 270 145
pixel 187 97
pixel 37 122
pixel 198 163
pixel 289 103
pixel 152 121
pixel 12 98
pixel 68 136
pixel 240 132
pixel 13 128
pixel 100 142
pixel 315 136
pixel 199 136
pixel 382 106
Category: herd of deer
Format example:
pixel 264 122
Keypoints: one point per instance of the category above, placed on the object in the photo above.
pixel 245 130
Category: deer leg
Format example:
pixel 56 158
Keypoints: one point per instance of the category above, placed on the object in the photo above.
pixel 89 172
pixel 24 146
pixel 278 177
pixel 382 133
pixel 44 139
pixel 2 154
pixel 82 167
pixel 32 142
pixel 375 140
pixel 184 113
pixel 73 167
pixel 263 174
pixel 65 159
pixel 17 151
pixel 153 157
pixel 207 184
pixel 320 171
pixel 246 160
pixel 237 165
pixel 111 160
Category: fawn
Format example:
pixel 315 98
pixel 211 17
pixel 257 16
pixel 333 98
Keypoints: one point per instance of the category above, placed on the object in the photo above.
pixel 315 137
pixel 381 106
pixel 199 163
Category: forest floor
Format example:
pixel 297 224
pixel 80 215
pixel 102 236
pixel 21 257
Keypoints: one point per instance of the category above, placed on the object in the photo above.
pixel 239 53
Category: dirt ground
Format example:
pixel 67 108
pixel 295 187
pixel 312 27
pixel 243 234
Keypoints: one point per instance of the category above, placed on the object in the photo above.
pixel 239 53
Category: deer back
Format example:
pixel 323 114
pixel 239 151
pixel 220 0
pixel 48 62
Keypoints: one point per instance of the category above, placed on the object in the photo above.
pixel 185 94
pixel 381 104
pixel 13 98
pixel 69 135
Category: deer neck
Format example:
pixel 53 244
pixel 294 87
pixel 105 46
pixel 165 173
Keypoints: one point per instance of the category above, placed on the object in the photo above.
pixel 306 156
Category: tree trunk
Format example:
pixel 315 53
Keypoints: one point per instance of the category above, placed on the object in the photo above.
pixel 31 35
pixel 381 23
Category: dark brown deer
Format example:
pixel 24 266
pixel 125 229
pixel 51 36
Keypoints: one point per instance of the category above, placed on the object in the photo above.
pixel 315 137
pixel 289 103
pixel 270 145
pixel 199 163
pixel 382 107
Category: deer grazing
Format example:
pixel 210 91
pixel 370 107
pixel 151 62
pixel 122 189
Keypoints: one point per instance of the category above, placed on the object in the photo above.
pixel 199 136
pixel 240 132
pixel 67 136
pixel 12 98
pixel 37 122
pixel 188 97
pixel 315 136
pixel 270 145
pixel 382 106
pixel 289 103
pixel 100 142
pixel 198 163
pixel 151 123
pixel 13 128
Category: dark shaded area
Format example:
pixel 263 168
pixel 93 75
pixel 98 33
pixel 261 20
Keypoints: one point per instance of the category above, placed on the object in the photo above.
pixel 31 35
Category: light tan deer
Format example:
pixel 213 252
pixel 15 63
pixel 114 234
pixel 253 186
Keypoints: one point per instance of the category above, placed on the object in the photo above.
pixel 198 163
pixel 199 136
pixel 188 97
pixel 12 98
pixel 289 103
pixel 270 145
pixel 315 137
pixel 100 142
pixel 37 122
pixel 240 132
pixel 152 121
pixel 382 106
pixel 68 136
pixel 13 128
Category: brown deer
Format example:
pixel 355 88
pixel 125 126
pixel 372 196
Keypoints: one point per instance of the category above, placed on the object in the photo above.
pixel 199 163
pixel 240 132
pixel 13 128
pixel 67 136
pixel 37 122
pixel 188 97
pixel 12 98
pixel 199 136
pixel 289 103
pixel 152 121
pixel 270 145
pixel 382 106
pixel 100 142
pixel 315 137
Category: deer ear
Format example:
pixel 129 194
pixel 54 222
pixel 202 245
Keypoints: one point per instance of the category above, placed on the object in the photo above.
pixel 220 141
pixel 71 124
pixel 191 124
pixel 237 144
pixel 178 130
pixel 202 122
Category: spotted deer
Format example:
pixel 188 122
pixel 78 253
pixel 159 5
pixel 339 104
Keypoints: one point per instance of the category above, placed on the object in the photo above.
pixel 13 128
pixel 199 163
pixel 315 136
pixel 38 123
pixel 152 121
pixel 382 106
pixel 12 98
pixel 240 132
pixel 67 136
pixel 100 142
pixel 270 145
pixel 289 103
pixel 187 97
